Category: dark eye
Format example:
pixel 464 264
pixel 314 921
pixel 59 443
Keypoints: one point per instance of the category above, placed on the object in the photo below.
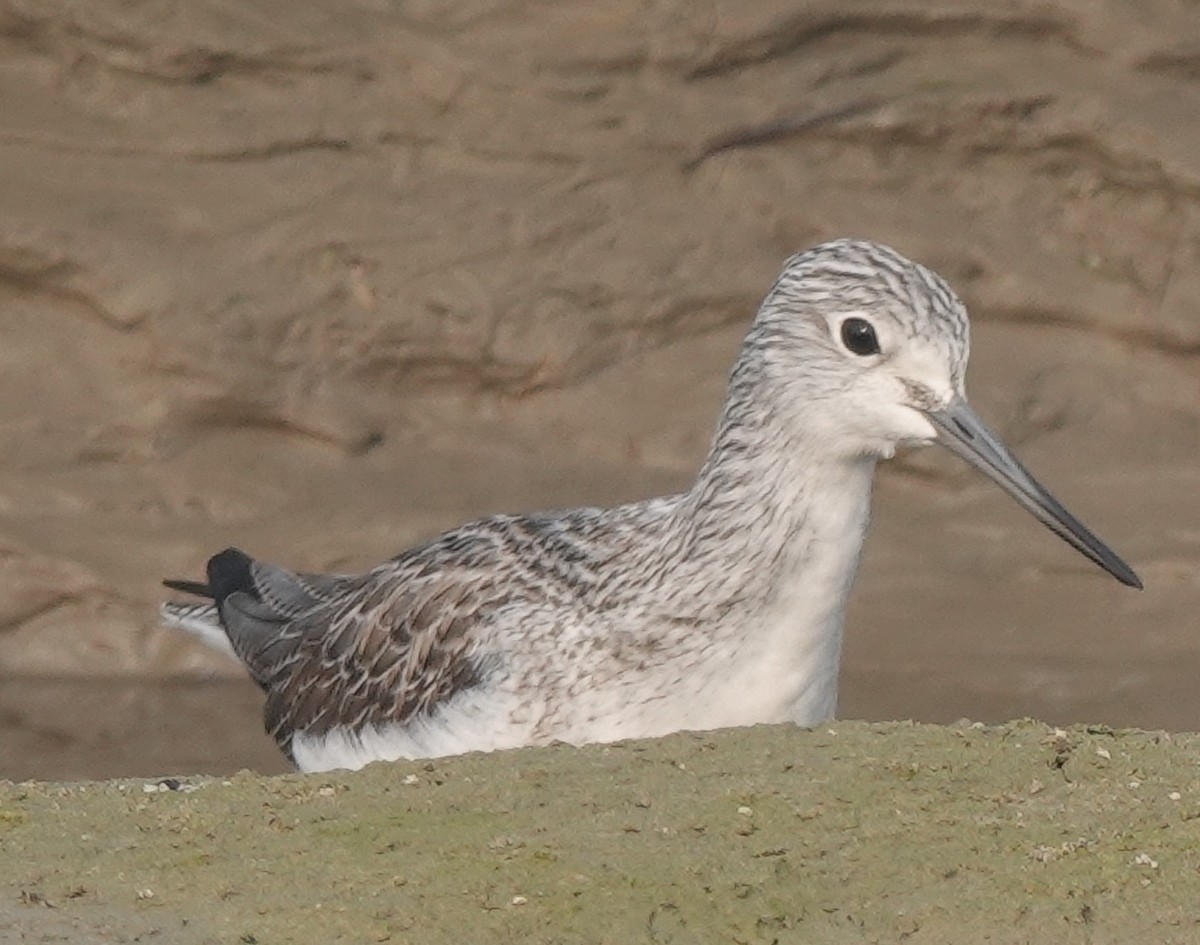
pixel 859 337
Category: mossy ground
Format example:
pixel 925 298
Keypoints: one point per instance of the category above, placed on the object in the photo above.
pixel 851 833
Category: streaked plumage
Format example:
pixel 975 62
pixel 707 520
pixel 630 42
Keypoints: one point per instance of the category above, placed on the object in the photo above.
pixel 716 607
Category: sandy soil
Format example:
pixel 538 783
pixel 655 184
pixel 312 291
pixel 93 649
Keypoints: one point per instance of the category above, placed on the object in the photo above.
pixel 320 279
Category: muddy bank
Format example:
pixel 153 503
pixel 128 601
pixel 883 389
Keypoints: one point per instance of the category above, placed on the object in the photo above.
pixel 854 833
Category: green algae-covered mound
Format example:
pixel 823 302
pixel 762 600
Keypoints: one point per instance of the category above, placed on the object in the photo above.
pixel 851 833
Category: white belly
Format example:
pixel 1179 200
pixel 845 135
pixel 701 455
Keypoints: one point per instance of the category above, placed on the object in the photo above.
pixel 475 720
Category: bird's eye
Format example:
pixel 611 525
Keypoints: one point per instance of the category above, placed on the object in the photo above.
pixel 858 336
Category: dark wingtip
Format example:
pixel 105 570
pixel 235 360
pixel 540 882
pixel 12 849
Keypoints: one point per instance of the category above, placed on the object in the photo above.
pixel 229 572
pixel 195 588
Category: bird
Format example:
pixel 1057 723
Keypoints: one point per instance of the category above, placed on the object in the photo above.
pixel 717 607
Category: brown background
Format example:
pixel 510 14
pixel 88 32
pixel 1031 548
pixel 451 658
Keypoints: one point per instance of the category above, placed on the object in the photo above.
pixel 318 279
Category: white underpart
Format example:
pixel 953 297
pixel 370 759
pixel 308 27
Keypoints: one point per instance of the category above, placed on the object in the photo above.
pixel 474 720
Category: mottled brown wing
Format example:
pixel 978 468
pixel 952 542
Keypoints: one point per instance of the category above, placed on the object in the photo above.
pixel 396 648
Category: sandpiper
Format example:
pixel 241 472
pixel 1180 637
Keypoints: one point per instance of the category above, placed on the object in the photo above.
pixel 720 606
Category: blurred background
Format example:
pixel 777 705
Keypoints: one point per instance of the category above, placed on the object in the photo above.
pixel 319 279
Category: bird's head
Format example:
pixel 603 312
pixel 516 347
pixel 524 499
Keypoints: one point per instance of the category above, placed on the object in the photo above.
pixel 862 350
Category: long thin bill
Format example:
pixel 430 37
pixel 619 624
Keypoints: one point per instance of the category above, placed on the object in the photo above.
pixel 965 435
